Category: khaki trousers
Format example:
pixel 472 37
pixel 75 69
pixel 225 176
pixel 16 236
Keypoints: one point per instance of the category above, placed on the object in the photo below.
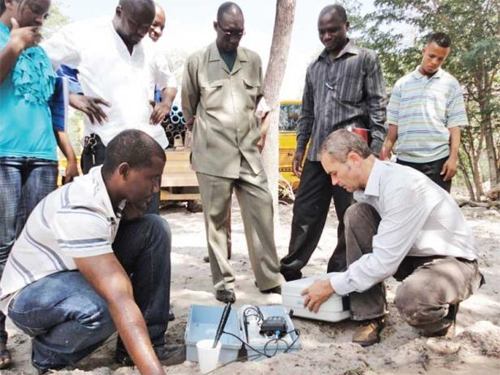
pixel 256 206
pixel 430 285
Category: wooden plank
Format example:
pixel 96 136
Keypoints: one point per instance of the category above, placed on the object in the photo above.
pixel 176 180
pixel 177 168
pixel 168 196
pixel 177 156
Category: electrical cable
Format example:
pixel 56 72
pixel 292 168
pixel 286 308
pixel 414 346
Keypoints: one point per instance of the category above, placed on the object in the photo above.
pixel 288 346
pixel 294 341
pixel 247 344
pixel 234 361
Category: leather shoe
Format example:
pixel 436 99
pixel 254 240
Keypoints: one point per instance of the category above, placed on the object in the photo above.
pixel 276 289
pixel 449 330
pixel 368 333
pixel 167 354
pixel 171 315
pixel 225 295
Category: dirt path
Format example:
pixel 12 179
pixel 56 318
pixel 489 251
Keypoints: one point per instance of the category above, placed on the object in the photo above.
pixel 326 348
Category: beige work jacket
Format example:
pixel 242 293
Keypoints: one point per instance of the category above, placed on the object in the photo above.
pixel 226 128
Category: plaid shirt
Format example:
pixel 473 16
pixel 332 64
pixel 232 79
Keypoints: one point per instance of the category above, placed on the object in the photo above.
pixel 349 90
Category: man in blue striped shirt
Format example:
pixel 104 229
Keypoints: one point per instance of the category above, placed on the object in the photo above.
pixel 425 115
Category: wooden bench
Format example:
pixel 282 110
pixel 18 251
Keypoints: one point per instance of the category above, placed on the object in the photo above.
pixel 178 174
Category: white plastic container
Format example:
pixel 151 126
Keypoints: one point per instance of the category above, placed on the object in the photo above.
pixel 208 356
pixel 334 309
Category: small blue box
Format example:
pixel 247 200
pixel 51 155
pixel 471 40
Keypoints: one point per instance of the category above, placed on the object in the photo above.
pixel 202 324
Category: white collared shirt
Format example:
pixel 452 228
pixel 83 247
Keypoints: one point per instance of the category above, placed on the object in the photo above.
pixel 107 70
pixel 418 218
pixel 74 221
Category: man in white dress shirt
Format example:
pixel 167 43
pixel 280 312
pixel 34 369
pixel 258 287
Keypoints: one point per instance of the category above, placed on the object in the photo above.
pixel 403 225
pixel 118 70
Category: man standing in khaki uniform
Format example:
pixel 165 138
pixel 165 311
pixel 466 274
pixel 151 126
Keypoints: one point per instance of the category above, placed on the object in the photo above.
pixel 221 88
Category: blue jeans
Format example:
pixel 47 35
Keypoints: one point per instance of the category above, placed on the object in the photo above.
pixel 68 319
pixel 23 183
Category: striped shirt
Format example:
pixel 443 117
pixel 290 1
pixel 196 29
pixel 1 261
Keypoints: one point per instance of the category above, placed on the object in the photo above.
pixel 346 90
pixel 424 109
pixel 75 221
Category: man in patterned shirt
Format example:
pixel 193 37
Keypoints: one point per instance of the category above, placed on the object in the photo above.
pixel 344 88
pixel 425 115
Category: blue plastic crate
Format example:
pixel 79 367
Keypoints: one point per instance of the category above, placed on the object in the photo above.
pixel 202 324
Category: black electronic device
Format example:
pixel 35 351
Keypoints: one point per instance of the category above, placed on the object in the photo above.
pixel 274 325
pixel 222 323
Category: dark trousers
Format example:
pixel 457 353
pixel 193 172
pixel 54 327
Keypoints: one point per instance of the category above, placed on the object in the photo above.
pixel 430 285
pixel 93 155
pixel 309 216
pixel 68 319
pixel 431 170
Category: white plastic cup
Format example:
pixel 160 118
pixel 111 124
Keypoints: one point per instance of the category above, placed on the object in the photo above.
pixel 208 357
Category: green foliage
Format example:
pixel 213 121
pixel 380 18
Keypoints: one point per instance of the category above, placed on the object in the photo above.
pixel 397 31
pixel 56 20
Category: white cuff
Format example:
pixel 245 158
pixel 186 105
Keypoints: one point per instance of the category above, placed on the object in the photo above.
pixel 262 109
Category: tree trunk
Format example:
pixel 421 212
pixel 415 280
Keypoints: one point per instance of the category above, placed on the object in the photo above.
pixel 285 13
pixel 478 181
pixel 485 106
pixel 465 175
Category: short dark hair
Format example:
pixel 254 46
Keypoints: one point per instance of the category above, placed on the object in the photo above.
pixel 133 147
pixel 441 39
pixel 138 5
pixel 228 7
pixel 3 6
pixel 335 8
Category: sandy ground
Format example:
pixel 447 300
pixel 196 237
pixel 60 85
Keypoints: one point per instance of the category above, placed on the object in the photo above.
pixel 325 348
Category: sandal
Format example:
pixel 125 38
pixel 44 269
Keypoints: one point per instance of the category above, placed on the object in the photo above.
pixel 5 358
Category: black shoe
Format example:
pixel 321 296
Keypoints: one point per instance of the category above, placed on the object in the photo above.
pixel 167 354
pixel 290 275
pixel 276 289
pixel 206 259
pixel 170 355
pixel 171 315
pixel 225 295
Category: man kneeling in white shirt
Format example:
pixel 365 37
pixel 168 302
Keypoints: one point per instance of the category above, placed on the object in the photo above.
pixel 403 225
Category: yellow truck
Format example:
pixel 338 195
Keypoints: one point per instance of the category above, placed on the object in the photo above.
pixel 289 117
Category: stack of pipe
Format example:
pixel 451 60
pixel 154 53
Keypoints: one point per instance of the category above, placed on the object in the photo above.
pixel 175 125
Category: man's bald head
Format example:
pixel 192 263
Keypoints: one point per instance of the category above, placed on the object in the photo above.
pixel 228 8
pixel 158 25
pixel 133 18
pixel 139 6
pixel 230 27
pixel 335 8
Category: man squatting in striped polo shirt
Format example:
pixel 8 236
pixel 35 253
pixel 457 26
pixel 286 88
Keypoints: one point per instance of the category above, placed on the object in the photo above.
pixel 87 263
pixel 425 115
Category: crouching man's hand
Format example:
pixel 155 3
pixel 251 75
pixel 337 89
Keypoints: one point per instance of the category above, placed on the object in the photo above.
pixel 316 294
